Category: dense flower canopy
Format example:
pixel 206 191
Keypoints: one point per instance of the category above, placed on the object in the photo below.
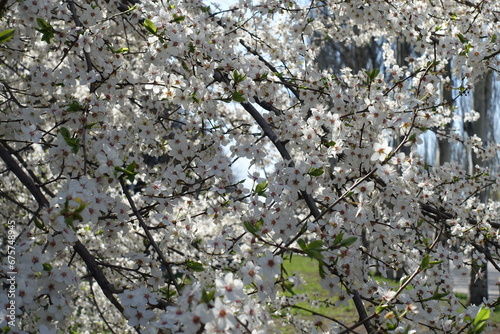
pixel 121 126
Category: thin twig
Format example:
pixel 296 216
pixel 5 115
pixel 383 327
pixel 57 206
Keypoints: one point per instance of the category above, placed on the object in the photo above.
pixel 150 238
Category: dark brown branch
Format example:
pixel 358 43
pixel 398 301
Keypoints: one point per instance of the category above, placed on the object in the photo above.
pixel 107 288
pixel 280 146
pixel 21 175
pixel 148 234
pixel 272 68
pixel 358 302
pixel 72 9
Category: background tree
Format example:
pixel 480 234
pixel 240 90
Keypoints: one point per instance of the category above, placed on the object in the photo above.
pixel 120 128
pixel 336 55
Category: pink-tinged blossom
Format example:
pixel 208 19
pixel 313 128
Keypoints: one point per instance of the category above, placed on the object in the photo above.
pixel 270 265
pixel 381 151
pixel 230 289
pixel 138 316
pixel 249 272
pixel 224 319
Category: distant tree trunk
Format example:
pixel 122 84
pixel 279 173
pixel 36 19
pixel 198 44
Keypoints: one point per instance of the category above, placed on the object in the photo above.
pixel 478 286
pixel 444 148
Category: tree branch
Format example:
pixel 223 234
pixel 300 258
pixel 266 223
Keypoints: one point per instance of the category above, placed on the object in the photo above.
pixel 143 225
pixel 21 175
pixel 107 288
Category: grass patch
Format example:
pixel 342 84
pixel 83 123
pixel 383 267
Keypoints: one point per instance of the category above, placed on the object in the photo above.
pixel 307 270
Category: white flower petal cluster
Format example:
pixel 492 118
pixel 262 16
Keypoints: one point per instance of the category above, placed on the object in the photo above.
pixel 127 127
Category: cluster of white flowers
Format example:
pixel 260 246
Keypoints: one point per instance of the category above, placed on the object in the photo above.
pixel 119 134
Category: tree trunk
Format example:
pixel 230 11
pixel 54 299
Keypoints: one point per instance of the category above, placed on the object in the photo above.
pixel 444 148
pixel 478 286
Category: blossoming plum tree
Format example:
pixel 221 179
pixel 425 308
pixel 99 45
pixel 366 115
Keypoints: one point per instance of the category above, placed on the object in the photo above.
pixel 120 128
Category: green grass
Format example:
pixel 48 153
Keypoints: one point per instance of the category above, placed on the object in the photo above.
pixel 307 269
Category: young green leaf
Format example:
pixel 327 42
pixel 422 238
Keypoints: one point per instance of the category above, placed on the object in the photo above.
pixel 207 297
pixel 425 262
pixel 372 74
pixel 178 19
pixel 129 172
pixel 74 143
pixel 251 228
pixel 302 244
pixel 260 189
pixel 121 50
pixel 47 267
pixel 150 26
pixel 74 106
pixel 316 171
pixel 349 241
pixel 237 97
pixel 46 29
pixel 6 34
pixel 331 143
pixel 315 245
pixel 462 39
pixel 194 266
pixel 321 269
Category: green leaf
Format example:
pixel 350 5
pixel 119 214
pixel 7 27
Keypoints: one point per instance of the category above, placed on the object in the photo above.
pixel 302 244
pixel 205 9
pixel 316 244
pixel 237 97
pixel 178 19
pixel 481 318
pixel 42 23
pixel 64 132
pixel 331 143
pixel 46 29
pixel 316 171
pixel 313 249
pixel 150 26
pixel 74 143
pixel 129 171
pixel 349 241
pixel 466 50
pixel 121 50
pixel 237 77
pixel 194 266
pixel 47 267
pixel 321 269
pixel 425 262
pixel 195 99
pixel 91 125
pixel 440 296
pixel 372 74
pixel 39 224
pixel 260 189
pixel 6 34
pixel 287 285
pixel 479 322
pixel 74 106
pixel 462 39
pixel 252 228
pixel 207 297
pixel 494 38
pixel 338 238
pixel 380 308
pixel 412 137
